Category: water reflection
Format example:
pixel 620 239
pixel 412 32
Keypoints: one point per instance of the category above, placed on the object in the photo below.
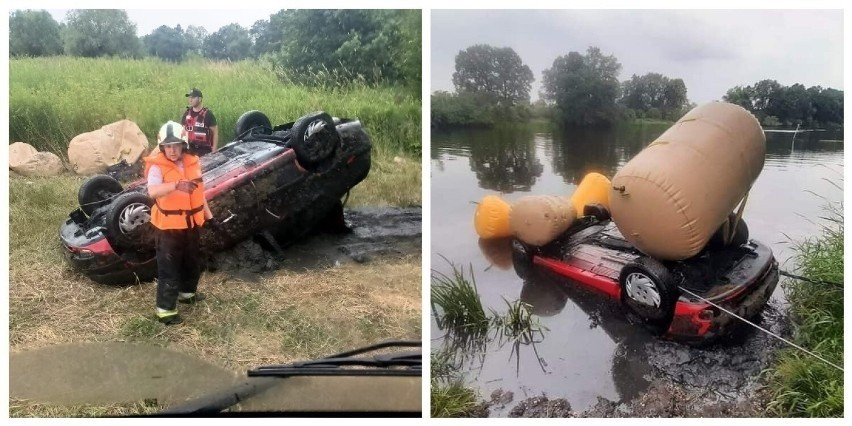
pixel 577 152
pixel 548 295
pixel 498 251
pixel 505 161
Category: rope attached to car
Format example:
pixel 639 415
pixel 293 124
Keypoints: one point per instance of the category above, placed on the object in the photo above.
pixel 763 329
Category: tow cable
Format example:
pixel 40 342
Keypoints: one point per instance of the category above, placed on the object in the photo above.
pixel 762 329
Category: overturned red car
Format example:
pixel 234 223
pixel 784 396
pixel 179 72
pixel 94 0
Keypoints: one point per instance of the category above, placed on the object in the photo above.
pixel 283 181
pixel 674 299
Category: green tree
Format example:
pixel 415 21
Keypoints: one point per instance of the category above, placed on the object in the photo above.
pixel 741 96
pixel 33 33
pixel 675 101
pixel 584 88
pixel 764 94
pixel 194 37
pixel 166 43
pixel 100 32
pixel 652 90
pixel 231 42
pixel 792 106
pixel 497 73
pixel 333 46
pixel 827 105
pixel 777 105
pixel 268 34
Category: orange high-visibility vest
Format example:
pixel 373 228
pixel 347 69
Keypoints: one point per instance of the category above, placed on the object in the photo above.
pixel 178 210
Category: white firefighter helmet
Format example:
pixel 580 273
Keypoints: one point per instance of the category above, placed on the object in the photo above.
pixel 172 133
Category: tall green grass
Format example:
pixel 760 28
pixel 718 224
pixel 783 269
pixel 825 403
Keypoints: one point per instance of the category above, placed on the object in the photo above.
pixel 51 100
pixel 803 386
pixel 456 305
pixel 518 324
pixel 449 396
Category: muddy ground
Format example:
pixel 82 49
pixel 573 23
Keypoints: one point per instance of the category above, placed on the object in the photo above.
pixel 374 232
pixel 722 380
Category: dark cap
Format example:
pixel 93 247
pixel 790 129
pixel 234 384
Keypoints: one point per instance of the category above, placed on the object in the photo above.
pixel 195 92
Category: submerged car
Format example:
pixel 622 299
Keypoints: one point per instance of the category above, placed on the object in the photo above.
pixel 679 300
pixel 282 181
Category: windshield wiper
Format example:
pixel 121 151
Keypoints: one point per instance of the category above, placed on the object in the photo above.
pixel 406 363
pixel 389 364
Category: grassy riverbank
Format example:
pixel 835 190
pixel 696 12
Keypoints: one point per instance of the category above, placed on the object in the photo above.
pixel 51 100
pixel 801 385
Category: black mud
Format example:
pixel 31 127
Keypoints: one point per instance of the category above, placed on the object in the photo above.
pixel 374 233
pixel 721 380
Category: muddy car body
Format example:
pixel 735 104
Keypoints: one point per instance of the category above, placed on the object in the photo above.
pixel 672 298
pixel 281 180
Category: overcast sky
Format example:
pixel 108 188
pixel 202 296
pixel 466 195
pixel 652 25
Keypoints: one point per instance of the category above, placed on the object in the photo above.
pixel 211 19
pixel 711 50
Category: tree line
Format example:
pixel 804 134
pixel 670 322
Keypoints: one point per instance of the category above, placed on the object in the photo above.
pixel 777 105
pixel 308 46
pixel 493 85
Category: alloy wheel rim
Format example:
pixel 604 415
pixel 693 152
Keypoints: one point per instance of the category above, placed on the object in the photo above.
pixel 134 216
pixel 641 288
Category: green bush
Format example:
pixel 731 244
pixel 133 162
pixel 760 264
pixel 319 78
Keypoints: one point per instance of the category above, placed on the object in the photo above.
pixel 458 110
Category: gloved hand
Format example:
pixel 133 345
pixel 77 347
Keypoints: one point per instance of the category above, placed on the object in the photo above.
pixel 213 224
pixel 186 186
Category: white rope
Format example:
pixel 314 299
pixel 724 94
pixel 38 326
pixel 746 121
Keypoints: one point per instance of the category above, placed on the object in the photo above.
pixel 765 330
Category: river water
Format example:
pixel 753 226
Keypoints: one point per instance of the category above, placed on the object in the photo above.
pixel 589 350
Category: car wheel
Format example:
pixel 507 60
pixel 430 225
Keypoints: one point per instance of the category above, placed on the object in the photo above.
pixel 522 259
pixel 96 192
pixel 649 290
pixel 250 120
pixel 129 221
pixel 314 138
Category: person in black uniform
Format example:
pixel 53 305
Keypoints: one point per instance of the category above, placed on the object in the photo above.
pixel 200 125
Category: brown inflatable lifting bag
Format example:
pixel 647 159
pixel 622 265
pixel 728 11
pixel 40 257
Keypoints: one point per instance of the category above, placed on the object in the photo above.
pixel 671 197
pixel 539 219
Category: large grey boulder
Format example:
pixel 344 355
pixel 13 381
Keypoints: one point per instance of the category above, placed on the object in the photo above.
pixel 91 153
pixel 41 164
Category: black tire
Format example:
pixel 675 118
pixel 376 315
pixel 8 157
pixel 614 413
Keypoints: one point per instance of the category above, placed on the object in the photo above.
pixel 598 211
pixel 720 239
pixel 649 290
pixel 250 120
pixel 314 138
pixel 96 192
pixel 128 222
pixel 522 259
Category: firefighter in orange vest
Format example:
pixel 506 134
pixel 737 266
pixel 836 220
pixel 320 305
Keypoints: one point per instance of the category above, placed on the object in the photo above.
pixel 200 124
pixel 180 209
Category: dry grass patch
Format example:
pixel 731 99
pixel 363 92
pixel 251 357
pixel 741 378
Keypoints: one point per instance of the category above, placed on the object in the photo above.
pixel 25 408
pixel 283 317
